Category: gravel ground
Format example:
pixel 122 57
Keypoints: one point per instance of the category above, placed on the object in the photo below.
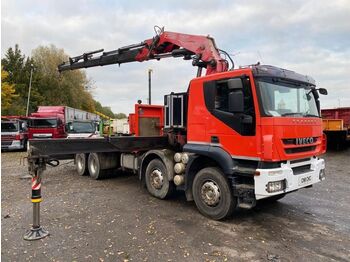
pixel 117 220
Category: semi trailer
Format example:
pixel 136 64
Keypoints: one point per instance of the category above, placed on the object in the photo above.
pixel 236 136
pixel 336 126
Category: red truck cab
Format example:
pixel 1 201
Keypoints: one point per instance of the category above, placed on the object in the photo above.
pixel 260 120
pixel 48 122
pixel 14 133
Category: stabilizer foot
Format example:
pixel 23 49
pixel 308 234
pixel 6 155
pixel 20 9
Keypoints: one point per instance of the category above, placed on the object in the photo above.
pixel 35 234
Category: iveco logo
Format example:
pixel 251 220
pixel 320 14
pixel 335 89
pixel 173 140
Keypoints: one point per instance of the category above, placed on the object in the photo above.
pixel 303 141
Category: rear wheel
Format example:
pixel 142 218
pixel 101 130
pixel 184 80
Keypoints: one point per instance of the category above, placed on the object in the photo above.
pixel 81 164
pixel 212 194
pixel 94 166
pixel 157 181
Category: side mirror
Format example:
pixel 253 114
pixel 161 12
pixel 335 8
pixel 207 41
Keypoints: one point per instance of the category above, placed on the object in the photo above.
pixel 236 102
pixel 24 126
pixel 323 91
pixel 235 84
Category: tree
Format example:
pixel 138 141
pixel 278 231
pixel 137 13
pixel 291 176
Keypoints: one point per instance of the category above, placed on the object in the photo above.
pixel 104 109
pixel 7 92
pixel 67 88
pixel 48 86
pixel 120 116
pixel 18 68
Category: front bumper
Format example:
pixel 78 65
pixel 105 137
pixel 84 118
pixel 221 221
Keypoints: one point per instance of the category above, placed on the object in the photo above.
pixel 42 135
pixel 294 174
pixel 15 145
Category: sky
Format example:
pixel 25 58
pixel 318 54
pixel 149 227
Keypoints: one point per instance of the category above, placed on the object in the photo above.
pixel 309 37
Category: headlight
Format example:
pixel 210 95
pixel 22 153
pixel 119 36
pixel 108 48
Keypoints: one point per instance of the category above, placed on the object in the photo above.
pixel 276 186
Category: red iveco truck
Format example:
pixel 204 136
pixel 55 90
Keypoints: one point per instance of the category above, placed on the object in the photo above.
pixel 234 137
pixel 14 133
pixel 60 122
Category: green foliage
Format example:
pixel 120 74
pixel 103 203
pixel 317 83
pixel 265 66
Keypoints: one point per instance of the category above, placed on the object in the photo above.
pixel 120 115
pixel 48 86
pixel 106 110
pixel 18 68
pixel 7 91
pixel 67 88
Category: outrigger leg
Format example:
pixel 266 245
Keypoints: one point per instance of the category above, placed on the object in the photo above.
pixel 36 166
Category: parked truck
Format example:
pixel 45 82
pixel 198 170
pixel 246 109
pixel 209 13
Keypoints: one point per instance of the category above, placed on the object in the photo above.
pixel 236 136
pixel 336 125
pixel 61 122
pixel 14 133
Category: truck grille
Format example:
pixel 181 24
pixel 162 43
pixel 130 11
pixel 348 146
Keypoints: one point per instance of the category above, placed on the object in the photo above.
pixel 7 137
pixel 300 145
pixel 301 169
pixel 6 143
pixel 293 141
pixel 295 161
pixel 300 149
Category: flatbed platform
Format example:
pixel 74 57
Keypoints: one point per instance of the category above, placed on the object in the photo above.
pixel 67 148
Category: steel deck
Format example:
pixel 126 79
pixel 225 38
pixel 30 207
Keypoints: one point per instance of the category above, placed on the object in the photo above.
pixel 67 148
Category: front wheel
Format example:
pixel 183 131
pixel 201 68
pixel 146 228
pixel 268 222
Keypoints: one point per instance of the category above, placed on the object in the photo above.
pixel 212 194
pixel 157 181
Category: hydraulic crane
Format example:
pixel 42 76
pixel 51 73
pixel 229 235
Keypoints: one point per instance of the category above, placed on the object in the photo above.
pixel 233 138
pixel 201 49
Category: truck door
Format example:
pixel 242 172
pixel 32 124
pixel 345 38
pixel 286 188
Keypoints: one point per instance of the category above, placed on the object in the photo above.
pixel 234 130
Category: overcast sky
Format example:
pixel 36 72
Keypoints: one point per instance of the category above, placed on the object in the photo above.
pixel 309 37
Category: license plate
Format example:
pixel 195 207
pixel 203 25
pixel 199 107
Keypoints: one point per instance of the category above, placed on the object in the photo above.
pixel 305 180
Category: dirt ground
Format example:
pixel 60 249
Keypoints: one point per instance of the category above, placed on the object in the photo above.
pixel 117 220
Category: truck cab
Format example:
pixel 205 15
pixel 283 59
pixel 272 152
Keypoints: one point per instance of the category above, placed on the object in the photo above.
pixel 14 133
pixel 82 129
pixel 260 125
pixel 46 126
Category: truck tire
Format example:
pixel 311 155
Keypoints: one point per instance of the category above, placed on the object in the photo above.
pixel 212 194
pixel 157 181
pixel 81 164
pixel 94 166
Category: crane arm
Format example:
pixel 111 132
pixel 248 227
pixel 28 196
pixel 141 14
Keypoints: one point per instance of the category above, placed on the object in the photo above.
pixel 201 49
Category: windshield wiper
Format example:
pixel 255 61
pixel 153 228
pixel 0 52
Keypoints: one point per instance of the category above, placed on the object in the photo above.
pixel 291 114
pixel 311 115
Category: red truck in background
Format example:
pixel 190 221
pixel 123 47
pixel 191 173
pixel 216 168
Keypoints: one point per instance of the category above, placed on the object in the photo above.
pixel 14 133
pixel 61 122
pixel 336 125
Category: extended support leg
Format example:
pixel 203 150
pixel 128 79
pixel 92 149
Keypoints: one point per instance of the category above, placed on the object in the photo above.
pixel 36 231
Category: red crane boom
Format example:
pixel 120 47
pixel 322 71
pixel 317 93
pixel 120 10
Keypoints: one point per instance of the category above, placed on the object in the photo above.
pixel 201 49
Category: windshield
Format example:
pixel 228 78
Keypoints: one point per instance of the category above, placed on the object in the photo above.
pixel 81 127
pixel 9 127
pixel 287 99
pixel 42 122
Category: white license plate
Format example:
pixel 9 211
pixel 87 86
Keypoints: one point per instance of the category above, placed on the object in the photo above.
pixel 305 180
